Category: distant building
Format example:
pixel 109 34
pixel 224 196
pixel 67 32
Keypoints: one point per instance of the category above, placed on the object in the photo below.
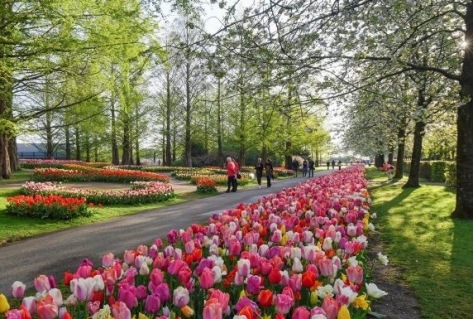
pixel 37 150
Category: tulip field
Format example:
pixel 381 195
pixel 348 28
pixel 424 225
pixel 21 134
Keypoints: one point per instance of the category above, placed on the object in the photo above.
pixel 298 253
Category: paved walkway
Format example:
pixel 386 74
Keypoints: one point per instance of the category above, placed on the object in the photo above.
pixel 55 253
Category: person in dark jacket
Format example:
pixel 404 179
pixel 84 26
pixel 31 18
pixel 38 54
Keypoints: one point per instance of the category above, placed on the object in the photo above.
pixel 294 166
pixel 259 171
pixel 269 172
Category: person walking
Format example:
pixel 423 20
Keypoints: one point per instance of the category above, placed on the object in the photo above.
pixel 339 164
pixel 230 167
pixel 333 163
pixel 269 172
pixel 237 171
pixel 294 166
pixel 305 167
pixel 259 171
pixel 311 168
pixel 327 164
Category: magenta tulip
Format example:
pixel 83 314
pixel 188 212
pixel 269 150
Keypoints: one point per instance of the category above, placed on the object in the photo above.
pixel 152 303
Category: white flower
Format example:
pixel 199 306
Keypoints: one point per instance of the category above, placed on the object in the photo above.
pixel 352 261
pixel 325 291
pixel 382 258
pixel 374 291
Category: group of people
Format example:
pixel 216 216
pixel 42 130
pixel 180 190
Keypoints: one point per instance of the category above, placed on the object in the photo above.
pixel 233 171
pixel 307 167
pixel 333 164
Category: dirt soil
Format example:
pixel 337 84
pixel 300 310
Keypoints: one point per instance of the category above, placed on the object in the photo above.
pixel 400 303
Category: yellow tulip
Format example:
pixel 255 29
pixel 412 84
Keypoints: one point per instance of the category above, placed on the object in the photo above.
pixel 284 240
pixel 242 294
pixel 313 298
pixel 4 305
pixel 361 302
pixel 343 313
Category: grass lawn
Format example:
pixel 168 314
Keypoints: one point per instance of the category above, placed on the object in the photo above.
pixel 432 251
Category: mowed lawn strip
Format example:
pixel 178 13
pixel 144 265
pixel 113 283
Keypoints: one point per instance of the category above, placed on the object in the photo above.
pixel 432 251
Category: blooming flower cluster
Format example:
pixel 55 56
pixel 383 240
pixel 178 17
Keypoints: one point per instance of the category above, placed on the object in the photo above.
pixel 81 173
pixel 49 206
pixel 205 185
pixel 37 163
pixel 299 253
pixel 140 193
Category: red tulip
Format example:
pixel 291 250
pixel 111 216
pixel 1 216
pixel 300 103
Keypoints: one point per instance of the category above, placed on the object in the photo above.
pixel 265 298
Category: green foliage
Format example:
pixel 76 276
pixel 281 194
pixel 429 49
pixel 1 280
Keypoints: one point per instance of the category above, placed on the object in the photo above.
pixel 450 174
pixel 437 171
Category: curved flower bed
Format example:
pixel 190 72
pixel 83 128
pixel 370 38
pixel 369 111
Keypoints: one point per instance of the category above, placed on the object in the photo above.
pixel 299 253
pixel 140 193
pixel 79 173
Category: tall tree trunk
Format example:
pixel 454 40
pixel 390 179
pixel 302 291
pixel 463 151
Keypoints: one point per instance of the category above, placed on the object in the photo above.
pixel 115 152
pixel 167 137
pixel 126 152
pixel 78 144
pixel 13 153
pixel 464 195
pixel 400 153
pixel 414 175
pixel 187 129
pixel 137 152
pixel 220 151
pixel 68 141
pixel 49 134
pixel 88 148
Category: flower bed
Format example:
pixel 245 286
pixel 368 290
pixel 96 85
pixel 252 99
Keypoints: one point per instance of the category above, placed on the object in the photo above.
pixel 299 253
pixel 79 173
pixel 49 206
pixel 38 163
pixel 206 186
pixel 140 193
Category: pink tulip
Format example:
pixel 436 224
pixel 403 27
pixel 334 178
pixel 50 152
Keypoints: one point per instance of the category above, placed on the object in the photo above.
pixel 300 313
pixel 326 267
pixel 212 311
pixel 108 260
pixel 141 292
pixel 129 257
pixel 142 250
pixel 153 303
pixel 126 294
pixel 355 274
pixel 120 311
pixel 42 283
pixel 156 276
pixel 222 297
pixel 331 307
pixel 206 280
pixel 234 247
pixel 175 266
pixel 93 307
pixel 18 289
pixel 163 291
pixel 283 303
pixel 14 314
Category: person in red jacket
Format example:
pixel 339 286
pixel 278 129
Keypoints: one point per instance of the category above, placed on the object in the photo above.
pixel 231 172
pixel 237 170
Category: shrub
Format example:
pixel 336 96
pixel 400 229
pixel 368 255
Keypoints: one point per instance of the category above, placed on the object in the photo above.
pixel 450 174
pixel 437 171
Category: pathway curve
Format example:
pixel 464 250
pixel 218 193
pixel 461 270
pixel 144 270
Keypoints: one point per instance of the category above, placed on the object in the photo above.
pixel 56 253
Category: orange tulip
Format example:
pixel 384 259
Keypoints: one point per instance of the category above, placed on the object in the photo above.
pixel 265 298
